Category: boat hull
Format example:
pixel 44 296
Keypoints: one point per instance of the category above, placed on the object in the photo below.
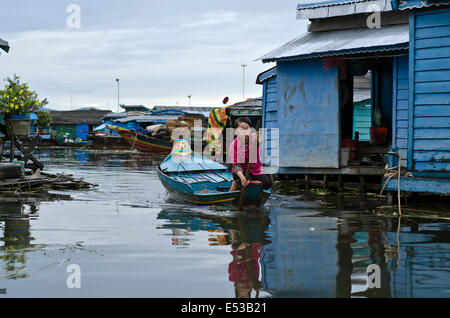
pixel 183 192
pixel 146 143
pixel 110 142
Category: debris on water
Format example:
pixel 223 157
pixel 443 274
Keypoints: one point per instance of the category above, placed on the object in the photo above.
pixel 40 182
pixel 411 212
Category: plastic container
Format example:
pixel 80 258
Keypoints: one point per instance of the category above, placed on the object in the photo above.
pixel 345 156
pixel 378 135
pixel 352 145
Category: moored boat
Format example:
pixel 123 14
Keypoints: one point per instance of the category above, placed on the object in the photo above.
pixel 192 178
pixel 142 142
pixel 65 141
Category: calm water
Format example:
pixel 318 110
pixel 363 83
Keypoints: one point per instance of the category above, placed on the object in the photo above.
pixel 130 240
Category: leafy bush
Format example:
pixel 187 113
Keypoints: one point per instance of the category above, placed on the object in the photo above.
pixel 44 120
pixel 17 98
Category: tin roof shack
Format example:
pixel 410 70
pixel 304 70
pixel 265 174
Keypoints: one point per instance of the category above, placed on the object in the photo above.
pixel 251 108
pixel 77 123
pixel 421 116
pixel 309 97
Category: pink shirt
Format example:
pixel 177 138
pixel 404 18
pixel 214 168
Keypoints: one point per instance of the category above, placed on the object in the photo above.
pixel 239 156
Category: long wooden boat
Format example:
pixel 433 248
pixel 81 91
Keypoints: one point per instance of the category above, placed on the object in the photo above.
pixel 192 178
pixel 103 141
pixel 144 143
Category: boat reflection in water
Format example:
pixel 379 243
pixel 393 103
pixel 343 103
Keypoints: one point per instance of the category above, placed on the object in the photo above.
pixel 244 233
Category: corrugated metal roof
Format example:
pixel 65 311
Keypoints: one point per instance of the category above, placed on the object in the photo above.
pixel 146 119
pixel 4 45
pixel 411 4
pixel 201 110
pixel 186 109
pixel 322 3
pixel 251 102
pixel 342 42
pixel 264 76
pixel 325 9
pixel 141 108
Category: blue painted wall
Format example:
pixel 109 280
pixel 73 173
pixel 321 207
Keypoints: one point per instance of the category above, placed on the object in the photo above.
pixel 428 110
pixel 82 131
pixel 362 120
pixel 400 104
pixel 308 114
pixel 429 136
pixel 270 121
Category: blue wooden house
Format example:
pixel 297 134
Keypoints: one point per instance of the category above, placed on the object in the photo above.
pixel 308 96
pixel 422 99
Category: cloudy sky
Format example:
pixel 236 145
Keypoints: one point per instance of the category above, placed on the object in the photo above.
pixel 162 51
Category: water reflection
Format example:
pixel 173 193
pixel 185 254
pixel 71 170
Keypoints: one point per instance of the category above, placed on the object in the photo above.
pixel 16 239
pixel 245 234
pixel 90 158
pixel 307 249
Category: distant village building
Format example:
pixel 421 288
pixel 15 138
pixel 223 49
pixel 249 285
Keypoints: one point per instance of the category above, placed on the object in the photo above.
pixel 77 123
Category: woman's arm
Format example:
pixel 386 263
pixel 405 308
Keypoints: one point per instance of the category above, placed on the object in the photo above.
pixel 240 173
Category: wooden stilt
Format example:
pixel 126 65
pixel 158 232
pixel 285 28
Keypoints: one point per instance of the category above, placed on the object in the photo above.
pixel 307 182
pixel 362 186
pixel 390 198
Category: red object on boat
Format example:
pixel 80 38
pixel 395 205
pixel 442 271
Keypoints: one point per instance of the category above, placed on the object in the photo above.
pixel 378 135
pixel 352 145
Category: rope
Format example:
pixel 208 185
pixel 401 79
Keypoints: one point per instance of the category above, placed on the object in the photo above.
pixel 392 173
pixel 134 142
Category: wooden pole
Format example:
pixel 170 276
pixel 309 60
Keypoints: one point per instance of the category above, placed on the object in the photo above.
pixel 12 149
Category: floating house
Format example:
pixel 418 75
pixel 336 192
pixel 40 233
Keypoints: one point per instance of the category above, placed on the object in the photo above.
pixel 77 123
pixel 307 97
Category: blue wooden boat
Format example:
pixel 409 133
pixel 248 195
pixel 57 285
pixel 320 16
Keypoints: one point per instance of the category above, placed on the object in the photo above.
pixel 192 178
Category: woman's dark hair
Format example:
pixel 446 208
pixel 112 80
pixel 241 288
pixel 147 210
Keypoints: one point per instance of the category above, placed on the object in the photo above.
pixel 241 120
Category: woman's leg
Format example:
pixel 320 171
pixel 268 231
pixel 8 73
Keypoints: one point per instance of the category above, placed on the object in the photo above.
pixel 265 179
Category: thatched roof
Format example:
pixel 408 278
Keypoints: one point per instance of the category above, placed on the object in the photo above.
pixel 73 117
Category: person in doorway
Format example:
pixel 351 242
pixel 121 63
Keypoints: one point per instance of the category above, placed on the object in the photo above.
pixel 241 155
